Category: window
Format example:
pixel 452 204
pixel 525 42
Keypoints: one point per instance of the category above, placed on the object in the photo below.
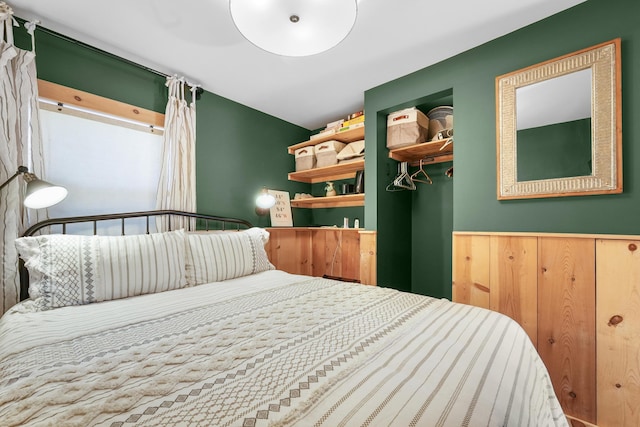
pixel 107 165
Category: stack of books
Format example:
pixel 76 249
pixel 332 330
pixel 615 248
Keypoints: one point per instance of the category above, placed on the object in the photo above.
pixel 353 121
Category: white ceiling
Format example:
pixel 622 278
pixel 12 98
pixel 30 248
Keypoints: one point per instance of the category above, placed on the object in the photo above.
pixel 197 39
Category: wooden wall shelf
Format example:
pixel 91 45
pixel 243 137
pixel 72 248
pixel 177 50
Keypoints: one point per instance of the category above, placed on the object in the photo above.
pixel 328 173
pixel 431 151
pixel 346 137
pixel 344 201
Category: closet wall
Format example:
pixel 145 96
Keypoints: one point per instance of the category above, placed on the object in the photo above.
pixel 414 227
pixel 431 228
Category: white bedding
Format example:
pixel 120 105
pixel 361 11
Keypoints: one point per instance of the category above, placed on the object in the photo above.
pixel 271 349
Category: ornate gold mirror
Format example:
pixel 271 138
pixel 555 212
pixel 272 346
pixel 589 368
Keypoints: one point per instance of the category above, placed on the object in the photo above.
pixel 559 126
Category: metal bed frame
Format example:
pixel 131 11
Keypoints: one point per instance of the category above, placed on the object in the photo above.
pixel 203 222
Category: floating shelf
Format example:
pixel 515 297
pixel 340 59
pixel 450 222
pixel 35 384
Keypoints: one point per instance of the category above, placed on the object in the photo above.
pixel 329 173
pixel 347 136
pixel 344 201
pixel 430 152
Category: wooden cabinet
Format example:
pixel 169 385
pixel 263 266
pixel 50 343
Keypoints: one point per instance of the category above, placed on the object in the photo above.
pixel 348 254
pixel 578 299
pixel 330 173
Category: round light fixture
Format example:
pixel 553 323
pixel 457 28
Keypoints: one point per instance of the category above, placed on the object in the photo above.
pixel 294 27
pixel 264 202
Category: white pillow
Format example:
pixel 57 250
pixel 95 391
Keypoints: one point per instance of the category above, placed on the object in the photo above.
pixel 213 257
pixel 72 270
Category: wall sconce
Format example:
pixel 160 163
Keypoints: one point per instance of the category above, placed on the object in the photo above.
pixel 264 202
pixel 39 194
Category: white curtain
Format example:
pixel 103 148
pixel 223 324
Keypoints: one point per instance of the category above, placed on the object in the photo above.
pixel 177 187
pixel 20 145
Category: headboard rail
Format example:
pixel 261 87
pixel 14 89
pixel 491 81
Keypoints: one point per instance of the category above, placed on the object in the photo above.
pixel 203 222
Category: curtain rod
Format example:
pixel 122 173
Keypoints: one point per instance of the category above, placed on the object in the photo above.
pixel 93 48
pixel 58 35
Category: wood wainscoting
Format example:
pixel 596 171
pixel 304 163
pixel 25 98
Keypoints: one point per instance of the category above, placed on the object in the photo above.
pixel 345 253
pixel 578 298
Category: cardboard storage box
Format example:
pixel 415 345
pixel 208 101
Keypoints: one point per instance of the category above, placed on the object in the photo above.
pixel 353 151
pixel 326 153
pixel 406 127
pixel 305 158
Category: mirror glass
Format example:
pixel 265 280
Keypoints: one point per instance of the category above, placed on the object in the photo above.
pixel 554 116
pixel 558 126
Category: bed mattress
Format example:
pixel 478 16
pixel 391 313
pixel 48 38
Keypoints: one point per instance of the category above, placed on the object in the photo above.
pixel 271 349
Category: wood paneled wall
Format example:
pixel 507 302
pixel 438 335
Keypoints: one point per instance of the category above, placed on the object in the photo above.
pixel 578 299
pixel 349 254
pixel 618 332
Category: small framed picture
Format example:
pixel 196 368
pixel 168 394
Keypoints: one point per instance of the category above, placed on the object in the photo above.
pixel 281 211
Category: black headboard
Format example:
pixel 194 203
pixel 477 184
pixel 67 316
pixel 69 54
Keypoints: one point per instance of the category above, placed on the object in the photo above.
pixel 203 222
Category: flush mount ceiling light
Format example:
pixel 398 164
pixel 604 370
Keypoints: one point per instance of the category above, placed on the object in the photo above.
pixel 294 27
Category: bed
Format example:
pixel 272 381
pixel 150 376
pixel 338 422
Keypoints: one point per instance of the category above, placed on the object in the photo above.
pixel 104 341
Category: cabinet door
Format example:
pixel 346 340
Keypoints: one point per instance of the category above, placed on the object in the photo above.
pixel 618 332
pixel 514 280
pixel 290 250
pixel 471 270
pixel 368 250
pixel 566 321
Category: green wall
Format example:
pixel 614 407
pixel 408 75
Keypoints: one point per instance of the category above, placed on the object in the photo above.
pixel 559 150
pixel 238 151
pixel 471 76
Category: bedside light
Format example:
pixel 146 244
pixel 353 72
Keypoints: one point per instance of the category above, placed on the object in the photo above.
pixel 39 194
pixel 264 202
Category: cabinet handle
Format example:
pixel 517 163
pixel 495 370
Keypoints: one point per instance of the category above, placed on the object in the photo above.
pixel 572 395
pixel 632 247
pixel 615 320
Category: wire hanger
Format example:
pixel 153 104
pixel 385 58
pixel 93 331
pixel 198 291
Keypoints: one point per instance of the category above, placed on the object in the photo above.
pixel 450 141
pixel 392 185
pixel 415 176
pixel 402 181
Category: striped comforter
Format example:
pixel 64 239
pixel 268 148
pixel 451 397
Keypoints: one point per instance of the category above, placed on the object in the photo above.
pixel 271 349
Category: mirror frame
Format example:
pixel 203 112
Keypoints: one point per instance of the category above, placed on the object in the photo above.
pixel 606 125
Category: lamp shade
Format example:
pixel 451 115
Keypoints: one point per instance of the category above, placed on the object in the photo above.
pixel 41 194
pixel 294 27
pixel 265 201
